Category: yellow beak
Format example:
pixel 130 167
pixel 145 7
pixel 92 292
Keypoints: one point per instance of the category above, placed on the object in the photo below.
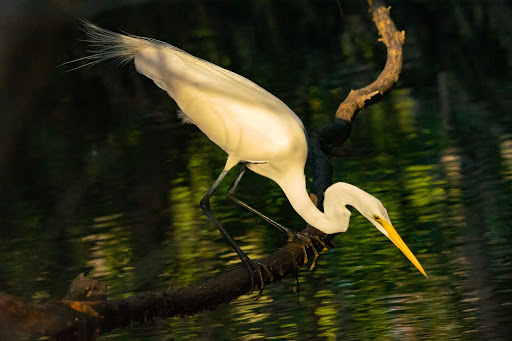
pixel 395 238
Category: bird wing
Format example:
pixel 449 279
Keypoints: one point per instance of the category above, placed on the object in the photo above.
pixel 231 110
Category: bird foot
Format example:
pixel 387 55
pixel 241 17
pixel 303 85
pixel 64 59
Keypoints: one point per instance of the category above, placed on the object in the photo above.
pixel 252 265
pixel 306 240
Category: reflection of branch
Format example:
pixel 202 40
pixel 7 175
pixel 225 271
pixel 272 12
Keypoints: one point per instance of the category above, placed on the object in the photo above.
pixel 93 315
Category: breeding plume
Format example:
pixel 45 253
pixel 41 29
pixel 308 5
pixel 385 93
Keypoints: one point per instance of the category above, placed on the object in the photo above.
pixel 251 125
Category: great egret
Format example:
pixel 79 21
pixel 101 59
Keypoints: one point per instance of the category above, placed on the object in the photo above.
pixel 251 125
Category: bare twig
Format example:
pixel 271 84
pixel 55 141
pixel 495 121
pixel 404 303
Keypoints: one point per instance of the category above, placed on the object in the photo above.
pixel 326 143
pixel 394 40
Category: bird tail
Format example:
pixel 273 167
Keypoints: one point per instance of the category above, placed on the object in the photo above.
pixel 106 45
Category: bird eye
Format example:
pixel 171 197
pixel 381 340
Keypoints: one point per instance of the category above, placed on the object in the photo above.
pixel 376 217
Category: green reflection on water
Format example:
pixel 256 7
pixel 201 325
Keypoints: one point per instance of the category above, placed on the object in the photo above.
pixel 112 187
pixel 111 254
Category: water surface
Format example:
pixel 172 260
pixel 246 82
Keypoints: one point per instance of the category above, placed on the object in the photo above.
pixel 98 175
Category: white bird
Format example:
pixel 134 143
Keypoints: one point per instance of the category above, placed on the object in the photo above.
pixel 251 125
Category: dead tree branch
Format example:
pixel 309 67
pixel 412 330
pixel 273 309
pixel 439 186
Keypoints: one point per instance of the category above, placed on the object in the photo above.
pixel 394 40
pixel 328 140
pixel 93 313
pixel 88 313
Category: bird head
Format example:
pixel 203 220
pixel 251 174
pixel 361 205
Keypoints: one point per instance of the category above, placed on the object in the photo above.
pixel 341 195
pixel 378 216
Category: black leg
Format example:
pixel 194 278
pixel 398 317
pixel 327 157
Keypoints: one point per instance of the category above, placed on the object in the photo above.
pixel 231 195
pixel 290 233
pixel 249 264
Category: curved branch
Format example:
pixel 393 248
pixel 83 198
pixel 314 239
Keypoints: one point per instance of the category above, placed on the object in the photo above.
pixel 335 134
pixel 394 40
pixel 329 139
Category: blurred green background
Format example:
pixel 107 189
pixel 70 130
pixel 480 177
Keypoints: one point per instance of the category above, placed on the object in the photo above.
pixel 98 175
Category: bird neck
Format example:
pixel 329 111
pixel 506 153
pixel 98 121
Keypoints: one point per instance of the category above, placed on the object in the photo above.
pixel 332 221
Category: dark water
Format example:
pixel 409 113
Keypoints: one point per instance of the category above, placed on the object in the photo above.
pixel 97 175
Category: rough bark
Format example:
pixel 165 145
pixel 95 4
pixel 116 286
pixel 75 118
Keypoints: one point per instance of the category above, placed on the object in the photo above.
pixel 93 313
pixel 328 140
pixel 394 40
pixel 85 312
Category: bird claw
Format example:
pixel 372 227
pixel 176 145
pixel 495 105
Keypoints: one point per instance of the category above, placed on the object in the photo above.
pixel 251 265
pixel 306 241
